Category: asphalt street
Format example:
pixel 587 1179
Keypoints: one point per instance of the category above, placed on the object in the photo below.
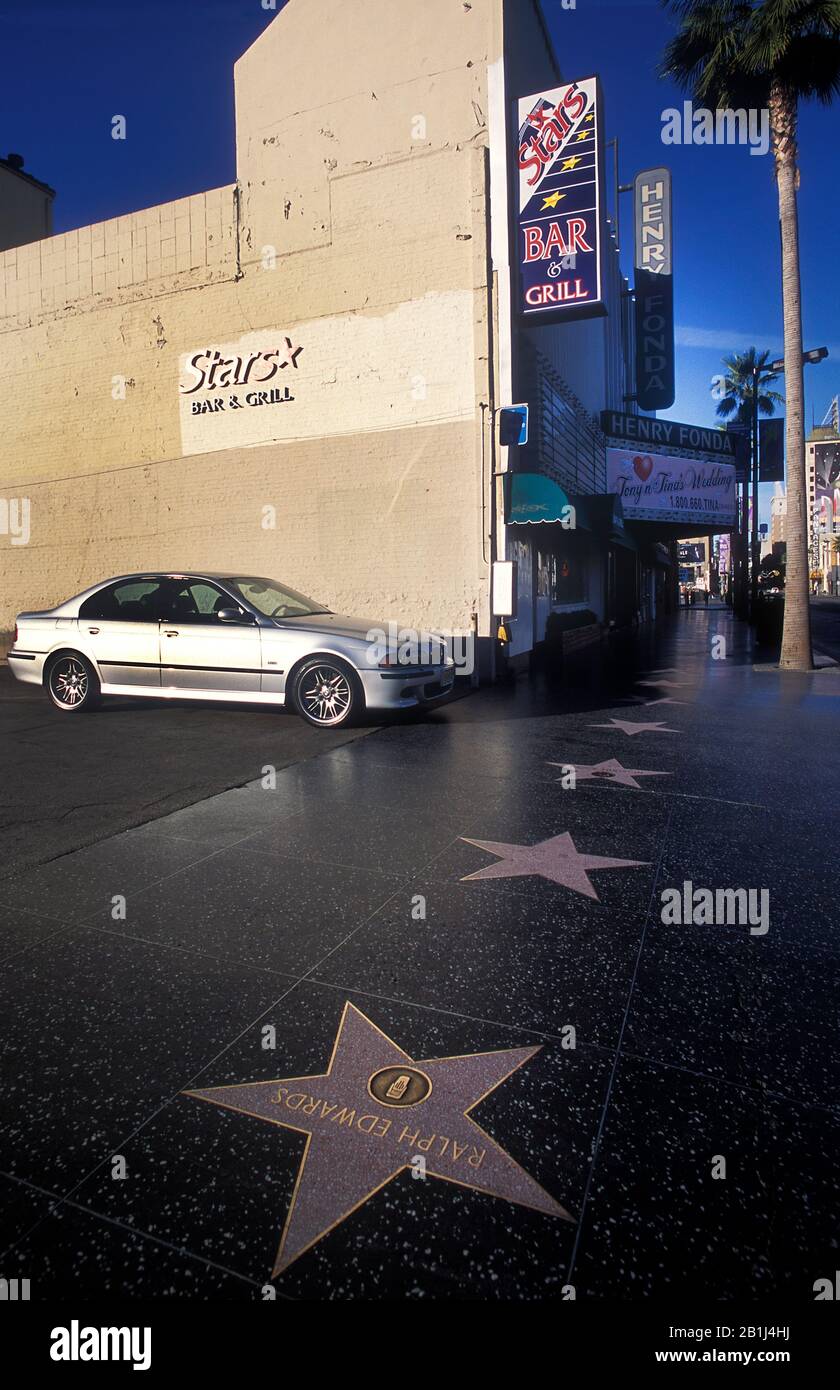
pixel 68 782
pixel 415 1023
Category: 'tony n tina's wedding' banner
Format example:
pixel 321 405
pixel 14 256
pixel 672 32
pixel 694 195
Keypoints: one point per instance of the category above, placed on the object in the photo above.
pixel 659 487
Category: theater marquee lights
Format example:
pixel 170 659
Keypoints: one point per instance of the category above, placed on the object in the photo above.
pixel 560 203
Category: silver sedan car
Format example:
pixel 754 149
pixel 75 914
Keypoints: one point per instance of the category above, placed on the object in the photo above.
pixel 223 637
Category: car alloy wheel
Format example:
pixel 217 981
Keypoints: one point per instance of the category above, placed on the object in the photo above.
pixel 72 684
pixel 325 694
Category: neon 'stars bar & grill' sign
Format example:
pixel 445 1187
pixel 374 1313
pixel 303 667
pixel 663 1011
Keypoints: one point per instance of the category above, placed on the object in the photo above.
pixel 560 202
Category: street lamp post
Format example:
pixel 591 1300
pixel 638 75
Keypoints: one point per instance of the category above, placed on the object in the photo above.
pixel 756 371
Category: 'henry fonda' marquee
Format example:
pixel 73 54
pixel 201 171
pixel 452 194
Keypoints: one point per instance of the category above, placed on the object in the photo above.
pixel 560 202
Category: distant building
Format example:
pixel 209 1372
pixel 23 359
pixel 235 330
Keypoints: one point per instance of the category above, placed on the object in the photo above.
pixel 694 555
pixel 778 516
pixel 25 205
pixel 822 458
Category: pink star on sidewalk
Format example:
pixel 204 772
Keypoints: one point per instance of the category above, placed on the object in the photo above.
pixel 556 859
pixel 665 685
pixel 358 1117
pixel 610 770
pixel 629 727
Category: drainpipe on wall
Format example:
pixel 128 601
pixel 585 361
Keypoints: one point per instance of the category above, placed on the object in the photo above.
pixel 237 223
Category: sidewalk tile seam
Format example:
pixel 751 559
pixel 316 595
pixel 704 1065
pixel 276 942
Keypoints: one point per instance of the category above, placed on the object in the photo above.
pixel 614 1068
pixel 58 1202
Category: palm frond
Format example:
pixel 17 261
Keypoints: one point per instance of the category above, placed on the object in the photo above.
pixel 727 52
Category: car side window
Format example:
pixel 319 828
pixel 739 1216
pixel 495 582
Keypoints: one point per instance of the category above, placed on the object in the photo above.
pixel 197 602
pixel 136 601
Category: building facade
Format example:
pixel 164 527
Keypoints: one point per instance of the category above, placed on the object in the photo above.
pixel 695 556
pixel 822 458
pixel 26 204
pixel 300 374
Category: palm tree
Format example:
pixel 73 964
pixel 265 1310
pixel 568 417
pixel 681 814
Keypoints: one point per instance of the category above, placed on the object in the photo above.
pixel 748 375
pixel 738 384
pixel 770 55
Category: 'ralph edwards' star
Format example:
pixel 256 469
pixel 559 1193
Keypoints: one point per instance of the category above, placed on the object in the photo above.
pixel 370 1115
pixel 556 859
pixel 610 770
pixel 629 727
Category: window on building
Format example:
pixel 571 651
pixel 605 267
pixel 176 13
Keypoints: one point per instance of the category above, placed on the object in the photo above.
pixel 563 571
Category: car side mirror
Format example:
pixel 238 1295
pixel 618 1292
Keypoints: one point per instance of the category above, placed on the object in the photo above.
pixel 234 615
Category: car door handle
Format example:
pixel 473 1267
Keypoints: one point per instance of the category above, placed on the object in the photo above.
pixel 93 631
pixel 170 632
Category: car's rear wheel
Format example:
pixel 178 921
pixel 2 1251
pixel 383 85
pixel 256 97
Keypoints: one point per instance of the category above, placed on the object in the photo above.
pixel 72 683
pixel 327 692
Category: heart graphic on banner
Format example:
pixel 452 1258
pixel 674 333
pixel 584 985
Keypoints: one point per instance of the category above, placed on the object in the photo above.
pixel 643 466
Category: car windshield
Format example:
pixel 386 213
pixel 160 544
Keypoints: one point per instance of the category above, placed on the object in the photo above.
pixel 273 599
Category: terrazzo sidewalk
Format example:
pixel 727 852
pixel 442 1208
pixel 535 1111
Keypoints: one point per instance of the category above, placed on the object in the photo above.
pixel 409 1022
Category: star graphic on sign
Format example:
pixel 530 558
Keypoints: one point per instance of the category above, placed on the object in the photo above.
pixel 556 859
pixel 571 162
pixel 590 117
pixel 552 200
pixel 629 727
pixel 370 1114
pixel 582 135
pixel 610 770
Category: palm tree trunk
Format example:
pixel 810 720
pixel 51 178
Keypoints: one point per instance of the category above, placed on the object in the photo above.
pixel 796 652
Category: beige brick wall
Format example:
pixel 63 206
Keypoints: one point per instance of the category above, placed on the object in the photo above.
pixel 351 525
pixel 378 268
pixel 176 246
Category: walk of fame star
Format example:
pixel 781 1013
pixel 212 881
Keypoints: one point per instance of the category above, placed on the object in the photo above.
pixel 610 770
pixel 556 859
pixel 629 727
pixel 369 1115
pixel 665 685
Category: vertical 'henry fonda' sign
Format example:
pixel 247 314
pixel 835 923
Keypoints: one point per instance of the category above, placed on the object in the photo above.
pixel 654 290
pixel 560 190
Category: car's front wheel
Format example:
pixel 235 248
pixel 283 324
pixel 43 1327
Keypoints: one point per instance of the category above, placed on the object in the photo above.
pixel 327 692
pixel 72 683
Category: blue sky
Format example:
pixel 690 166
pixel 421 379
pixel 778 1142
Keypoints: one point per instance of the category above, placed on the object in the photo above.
pixel 70 65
